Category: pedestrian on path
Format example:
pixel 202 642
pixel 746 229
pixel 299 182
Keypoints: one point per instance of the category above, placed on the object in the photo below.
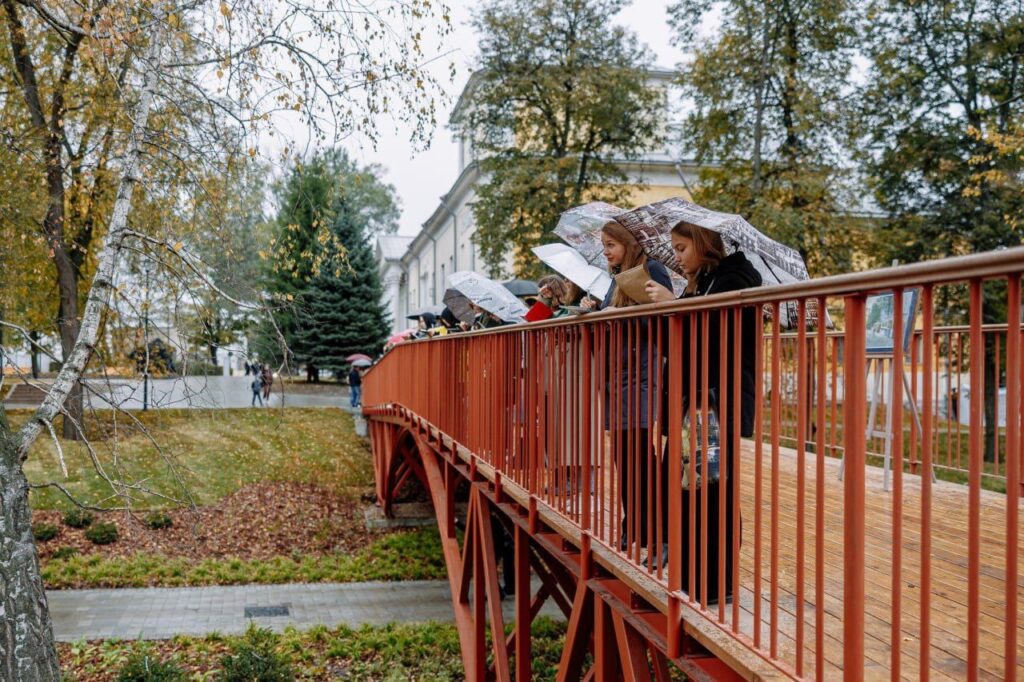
pixel 257 389
pixel 268 380
pixel 355 384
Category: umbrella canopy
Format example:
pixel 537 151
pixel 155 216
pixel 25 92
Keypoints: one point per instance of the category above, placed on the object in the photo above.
pixel 401 336
pixel 777 263
pixel 358 356
pixel 461 307
pixel 488 294
pixel 435 310
pixel 580 227
pixel 521 287
pixel 571 264
pixel 362 362
pixel 652 225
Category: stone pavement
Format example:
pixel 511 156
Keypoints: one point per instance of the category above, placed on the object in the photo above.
pixel 162 612
pixel 184 392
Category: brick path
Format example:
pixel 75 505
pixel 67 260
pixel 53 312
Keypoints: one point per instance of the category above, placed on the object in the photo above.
pixel 162 612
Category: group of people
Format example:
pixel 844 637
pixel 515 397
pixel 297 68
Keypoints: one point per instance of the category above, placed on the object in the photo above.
pixel 701 256
pixel 262 381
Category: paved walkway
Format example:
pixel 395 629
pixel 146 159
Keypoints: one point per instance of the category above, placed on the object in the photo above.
pixel 198 392
pixel 162 612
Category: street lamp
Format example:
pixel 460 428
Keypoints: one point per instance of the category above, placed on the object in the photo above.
pixel 145 341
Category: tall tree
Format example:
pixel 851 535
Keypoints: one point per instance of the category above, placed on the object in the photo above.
pixel 769 92
pixel 944 120
pixel 560 96
pixel 323 273
pixel 198 78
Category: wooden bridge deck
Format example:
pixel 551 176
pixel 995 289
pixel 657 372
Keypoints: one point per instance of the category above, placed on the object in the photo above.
pixel 948 648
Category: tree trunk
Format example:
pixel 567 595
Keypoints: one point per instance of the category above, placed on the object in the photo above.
pixel 213 354
pixel 27 648
pixel 33 338
pixel 312 373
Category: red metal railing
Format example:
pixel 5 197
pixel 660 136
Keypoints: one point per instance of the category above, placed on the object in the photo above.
pixel 827 577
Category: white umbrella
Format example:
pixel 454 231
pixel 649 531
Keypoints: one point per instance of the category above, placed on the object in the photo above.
pixel 362 362
pixel 488 294
pixel 571 264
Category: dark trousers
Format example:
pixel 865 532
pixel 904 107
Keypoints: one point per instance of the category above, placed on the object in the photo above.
pixel 636 464
pixel 719 532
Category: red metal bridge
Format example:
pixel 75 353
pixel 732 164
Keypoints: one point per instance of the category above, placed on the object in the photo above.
pixel 542 433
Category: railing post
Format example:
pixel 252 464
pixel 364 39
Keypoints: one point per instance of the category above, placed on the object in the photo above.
pixel 675 475
pixel 854 442
pixel 585 425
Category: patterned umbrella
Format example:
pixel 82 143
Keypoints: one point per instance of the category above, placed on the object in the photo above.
pixel 461 307
pixel 580 227
pixel 777 263
pixel 487 294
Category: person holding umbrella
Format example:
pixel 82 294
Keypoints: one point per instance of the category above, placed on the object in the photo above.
pixel 629 424
pixel 701 254
pixel 355 385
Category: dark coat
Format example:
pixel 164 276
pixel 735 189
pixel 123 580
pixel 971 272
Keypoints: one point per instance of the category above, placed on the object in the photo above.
pixel 637 349
pixel 733 273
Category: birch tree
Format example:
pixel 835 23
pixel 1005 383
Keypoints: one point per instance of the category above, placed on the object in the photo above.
pixel 193 86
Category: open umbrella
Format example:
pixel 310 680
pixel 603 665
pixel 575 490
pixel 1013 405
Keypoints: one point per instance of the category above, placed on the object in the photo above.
pixel 580 227
pixel 461 307
pixel 521 287
pixel 777 263
pixel 358 356
pixel 362 362
pixel 432 309
pixel 652 225
pixel 401 336
pixel 487 294
pixel 571 264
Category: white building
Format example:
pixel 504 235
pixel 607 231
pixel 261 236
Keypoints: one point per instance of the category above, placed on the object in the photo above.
pixel 414 270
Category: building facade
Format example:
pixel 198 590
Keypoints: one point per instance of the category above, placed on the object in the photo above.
pixel 414 270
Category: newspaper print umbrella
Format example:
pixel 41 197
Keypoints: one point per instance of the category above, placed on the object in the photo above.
pixel 652 225
pixel 777 263
pixel 571 264
pixel 488 294
pixel 580 227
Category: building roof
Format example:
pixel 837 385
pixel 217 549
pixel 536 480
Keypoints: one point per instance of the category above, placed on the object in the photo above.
pixel 393 246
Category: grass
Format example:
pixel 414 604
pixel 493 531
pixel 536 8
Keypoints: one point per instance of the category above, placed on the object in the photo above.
pixel 214 452
pixel 413 555
pixel 427 651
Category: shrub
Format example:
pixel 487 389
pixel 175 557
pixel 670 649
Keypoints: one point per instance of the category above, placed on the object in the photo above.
pixel 44 531
pixel 78 518
pixel 144 666
pixel 158 520
pixel 256 660
pixel 102 534
pixel 64 553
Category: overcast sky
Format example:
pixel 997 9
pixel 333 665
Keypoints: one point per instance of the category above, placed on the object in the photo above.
pixel 421 178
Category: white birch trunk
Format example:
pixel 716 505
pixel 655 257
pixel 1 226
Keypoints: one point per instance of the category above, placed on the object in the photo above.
pixel 27 649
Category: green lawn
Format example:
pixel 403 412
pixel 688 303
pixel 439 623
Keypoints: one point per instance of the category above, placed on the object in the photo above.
pixel 428 651
pixel 212 453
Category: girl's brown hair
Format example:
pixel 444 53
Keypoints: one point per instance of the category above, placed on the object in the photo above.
pixel 634 256
pixel 708 246
pixel 559 289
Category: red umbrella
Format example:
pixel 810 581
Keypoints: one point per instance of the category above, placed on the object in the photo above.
pixel 358 356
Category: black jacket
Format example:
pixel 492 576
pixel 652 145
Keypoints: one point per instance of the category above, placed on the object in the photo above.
pixel 733 273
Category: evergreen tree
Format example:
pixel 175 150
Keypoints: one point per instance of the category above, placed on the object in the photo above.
pixel 559 98
pixel 769 92
pixel 324 280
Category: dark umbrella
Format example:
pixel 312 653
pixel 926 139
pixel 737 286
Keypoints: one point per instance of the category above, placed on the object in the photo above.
pixel 431 309
pixel 521 287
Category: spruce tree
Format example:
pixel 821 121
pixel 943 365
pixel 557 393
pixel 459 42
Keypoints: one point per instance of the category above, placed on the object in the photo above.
pixel 324 280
